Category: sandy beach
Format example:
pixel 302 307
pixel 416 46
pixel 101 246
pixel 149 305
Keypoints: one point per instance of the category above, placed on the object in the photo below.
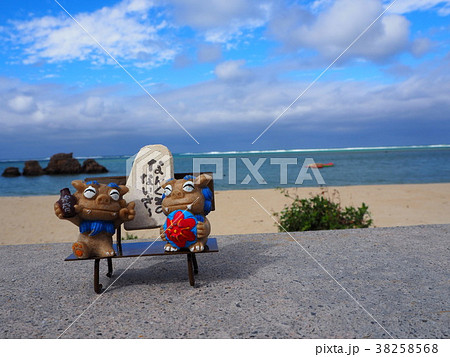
pixel 31 219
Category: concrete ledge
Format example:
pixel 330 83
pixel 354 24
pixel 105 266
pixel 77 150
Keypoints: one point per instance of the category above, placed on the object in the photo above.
pixel 257 286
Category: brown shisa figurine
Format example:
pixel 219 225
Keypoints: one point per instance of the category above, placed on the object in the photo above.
pixel 98 209
pixel 186 202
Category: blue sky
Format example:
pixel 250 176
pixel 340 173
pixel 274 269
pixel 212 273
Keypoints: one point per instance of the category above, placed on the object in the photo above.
pixel 223 70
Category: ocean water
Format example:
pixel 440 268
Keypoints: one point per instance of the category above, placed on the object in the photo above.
pixel 352 166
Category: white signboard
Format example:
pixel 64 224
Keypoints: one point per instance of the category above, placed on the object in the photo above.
pixel 152 165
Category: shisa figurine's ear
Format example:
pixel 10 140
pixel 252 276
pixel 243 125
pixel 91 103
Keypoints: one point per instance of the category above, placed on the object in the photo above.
pixel 79 185
pixel 123 189
pixel 202 180
pixel 165 183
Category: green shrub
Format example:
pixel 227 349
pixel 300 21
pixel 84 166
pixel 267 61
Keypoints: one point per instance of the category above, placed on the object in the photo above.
pixel 129 236
pixel 321 213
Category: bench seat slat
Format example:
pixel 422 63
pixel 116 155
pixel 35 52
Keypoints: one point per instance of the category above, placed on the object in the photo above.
pixel 151 249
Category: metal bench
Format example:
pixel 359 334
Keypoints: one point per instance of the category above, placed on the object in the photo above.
pixel 146 249
pixel 143 249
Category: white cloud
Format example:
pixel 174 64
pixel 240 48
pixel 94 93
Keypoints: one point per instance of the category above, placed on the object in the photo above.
pixel 333 29
pixel 215 13
pixel 137 5
pixel 420 46
pixel 123 29
pixel 221 21
pixel 219 106
pixel 209 53
pixel 319 5
pixel 22 104
pixel 231 70
pixel 93 107
pixel 405 6
pixel 143 32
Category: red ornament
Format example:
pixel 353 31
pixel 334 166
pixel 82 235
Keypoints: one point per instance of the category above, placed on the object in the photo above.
pixel 179 229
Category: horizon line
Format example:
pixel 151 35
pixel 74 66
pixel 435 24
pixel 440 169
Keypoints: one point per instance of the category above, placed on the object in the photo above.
pixel 269 151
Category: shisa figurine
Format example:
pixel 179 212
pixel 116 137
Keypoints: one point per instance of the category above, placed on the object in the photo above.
pixel 98 209
pixel 186 202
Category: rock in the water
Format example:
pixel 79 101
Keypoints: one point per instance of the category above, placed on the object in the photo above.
pixel 32 168
pixel 63 164
pixel 11 172
pixel 90 166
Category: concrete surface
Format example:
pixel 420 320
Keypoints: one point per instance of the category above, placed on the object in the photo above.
pixel 257 286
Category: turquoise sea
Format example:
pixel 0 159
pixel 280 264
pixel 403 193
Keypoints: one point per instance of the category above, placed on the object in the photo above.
pixel 352 166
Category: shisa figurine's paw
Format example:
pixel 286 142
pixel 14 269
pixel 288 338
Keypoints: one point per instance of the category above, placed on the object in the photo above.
pixel 107 253
pixel 197 247
pixel 80 250
pixel 162 233
pixel 128 213
pixel 201 231
pixel 58 211
pixel 169 248
pixel 78 208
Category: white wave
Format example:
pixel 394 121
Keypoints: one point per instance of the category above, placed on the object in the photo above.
pixel 369 148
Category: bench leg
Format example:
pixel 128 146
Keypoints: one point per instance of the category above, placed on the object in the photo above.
pixel 194 261
pixel 190 269
pixel 110 268
pixel 97 285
